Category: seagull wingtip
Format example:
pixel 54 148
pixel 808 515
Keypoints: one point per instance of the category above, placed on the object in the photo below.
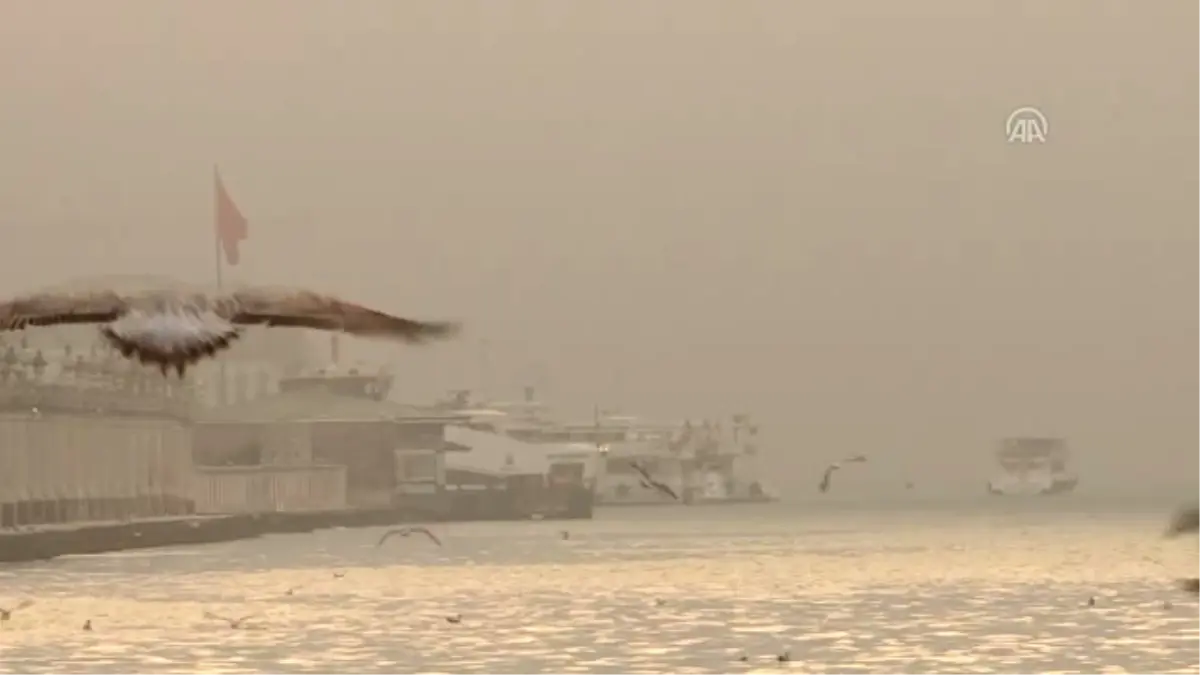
pixel 448 329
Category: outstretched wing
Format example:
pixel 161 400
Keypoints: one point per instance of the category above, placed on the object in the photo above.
pixel 828 476
pixel 217 617
pixel 48 309
pixel 637 466
pixel 427 533
pixel 304 309
pixel 666 489
pixel 23 605
pixel 388 535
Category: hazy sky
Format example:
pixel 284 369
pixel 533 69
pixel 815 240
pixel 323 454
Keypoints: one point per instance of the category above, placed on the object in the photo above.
pixel 802 209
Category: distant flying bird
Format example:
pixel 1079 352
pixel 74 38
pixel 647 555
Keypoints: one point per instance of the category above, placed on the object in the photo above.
pixel 1186 521
pixel 828 476
pixel 233 623
pixel 178 328
pixel 6 614
pixel 456 618
pixel 406 531
pixel 650 483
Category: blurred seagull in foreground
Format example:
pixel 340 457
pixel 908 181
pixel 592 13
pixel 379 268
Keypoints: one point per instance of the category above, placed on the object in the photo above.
pixel 1190 585
pixel 1186 521
pixel 406 531
pixel 179 328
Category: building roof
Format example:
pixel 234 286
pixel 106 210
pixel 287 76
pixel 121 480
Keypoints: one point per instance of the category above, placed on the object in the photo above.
pixel 310 406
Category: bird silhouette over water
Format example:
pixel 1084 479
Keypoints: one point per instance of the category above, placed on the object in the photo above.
pixel 233 623
pixel 177 328
pixel 650 483
pixel 827 477
pixel 6 614
pixel 406 531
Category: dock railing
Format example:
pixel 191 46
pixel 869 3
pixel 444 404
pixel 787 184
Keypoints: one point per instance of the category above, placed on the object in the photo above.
pixel 268 489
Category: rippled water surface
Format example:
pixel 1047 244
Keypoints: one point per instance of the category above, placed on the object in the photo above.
pixel 670 589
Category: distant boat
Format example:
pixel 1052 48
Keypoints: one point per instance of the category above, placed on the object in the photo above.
pixel 704 463
pixel 1032 466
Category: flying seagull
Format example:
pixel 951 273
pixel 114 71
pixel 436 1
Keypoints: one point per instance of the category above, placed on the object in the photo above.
pixel 405 531
pixel 828 476
pixel 6 614
pixel 649 482
pixel 1186 521
pixel 178 328
pixel 233 623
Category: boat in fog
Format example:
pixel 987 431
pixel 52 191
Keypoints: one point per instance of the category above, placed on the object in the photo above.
pixel 704 462
pixel 1033 466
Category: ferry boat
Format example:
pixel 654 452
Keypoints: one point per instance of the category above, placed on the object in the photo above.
pixel 1032 466
pixel 433 459
pixel 703 463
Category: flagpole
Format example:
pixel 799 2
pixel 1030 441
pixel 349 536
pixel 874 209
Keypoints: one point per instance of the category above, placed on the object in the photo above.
pixel 218 243
pixel 223 389
pixel 216 231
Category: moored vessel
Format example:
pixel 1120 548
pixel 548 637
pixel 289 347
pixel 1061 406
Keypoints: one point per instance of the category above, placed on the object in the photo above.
pixel 1033 466
pixel 703 463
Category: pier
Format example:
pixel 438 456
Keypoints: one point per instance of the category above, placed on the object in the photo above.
pixel 98 454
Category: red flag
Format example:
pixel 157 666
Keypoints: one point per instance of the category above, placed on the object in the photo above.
pixel 231 224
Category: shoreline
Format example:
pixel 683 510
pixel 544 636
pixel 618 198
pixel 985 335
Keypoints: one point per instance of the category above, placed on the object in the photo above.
pixel 47 542
pixel 739 501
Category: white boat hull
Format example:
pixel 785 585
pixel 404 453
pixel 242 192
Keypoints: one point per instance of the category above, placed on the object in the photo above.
pixel 1032 486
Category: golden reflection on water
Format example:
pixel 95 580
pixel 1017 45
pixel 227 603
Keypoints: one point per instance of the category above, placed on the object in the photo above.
pixel 634 591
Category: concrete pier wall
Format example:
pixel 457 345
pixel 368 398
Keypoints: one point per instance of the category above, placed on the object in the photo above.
pixel 57 468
